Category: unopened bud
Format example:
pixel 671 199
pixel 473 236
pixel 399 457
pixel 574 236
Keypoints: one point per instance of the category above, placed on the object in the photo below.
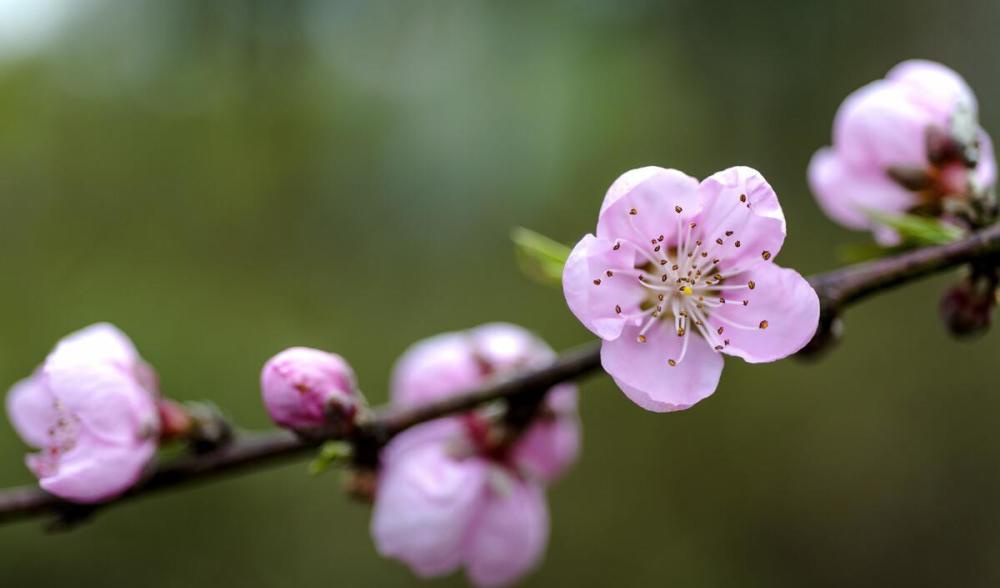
pixel 967 308
pixel 307 389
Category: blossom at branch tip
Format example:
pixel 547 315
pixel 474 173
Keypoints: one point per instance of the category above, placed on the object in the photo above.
pixel 305 388
pixel 91 410
pixel 679 273
pixel 456 492
pixel 908 143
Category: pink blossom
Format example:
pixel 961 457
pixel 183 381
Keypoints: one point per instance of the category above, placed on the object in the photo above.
pixel 91 409
pixel 681 272
pixel 907 143
pixel 441 505
pixel 456 492
pixel 452 363
pixel 305 388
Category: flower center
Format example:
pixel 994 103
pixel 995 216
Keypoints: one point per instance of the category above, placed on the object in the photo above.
pixel 685 284
pixel 62 438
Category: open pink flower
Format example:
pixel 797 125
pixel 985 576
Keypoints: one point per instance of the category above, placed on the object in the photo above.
pixel 908 143
pixel 305 388
pixel 456 492
pixel 452 363
pixel 681 272
pixel 441 505
pixel 91 409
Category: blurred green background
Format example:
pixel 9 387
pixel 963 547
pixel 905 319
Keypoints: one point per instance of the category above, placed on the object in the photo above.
pixel 225 179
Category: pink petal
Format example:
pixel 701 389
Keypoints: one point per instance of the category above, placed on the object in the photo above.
pixel 95 471
pixel 846 193
pixel 510 536
pixel 552 444
pixel 424 507
pixel 110 403
pixel 101 342
pixel 506 347
pixel 934 87
pixel 782 298
pixel 601 302
pixel 654 195
pixel 31 411
pixel 444 431
pixel 739 201
pixel 435 368
pixel 878 126
pixel 643 373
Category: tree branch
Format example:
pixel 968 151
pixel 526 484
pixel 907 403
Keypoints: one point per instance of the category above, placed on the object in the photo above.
pixel 248 451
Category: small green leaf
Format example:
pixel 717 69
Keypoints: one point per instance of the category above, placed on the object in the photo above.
pixel 538 256
pixel 867 251
pixel 329 453
pixel 917 229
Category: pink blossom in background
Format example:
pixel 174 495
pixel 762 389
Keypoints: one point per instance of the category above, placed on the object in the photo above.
pixel 452 363
pixel 441 505
pixel 909 142
pixel 91 410
pixel 448 496
pixel 304 388
pixel 681 272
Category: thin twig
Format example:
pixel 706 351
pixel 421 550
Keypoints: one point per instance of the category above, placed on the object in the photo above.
pixel 248 451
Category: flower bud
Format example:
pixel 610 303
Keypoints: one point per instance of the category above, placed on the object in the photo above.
pixel 307 388
pixel 967 308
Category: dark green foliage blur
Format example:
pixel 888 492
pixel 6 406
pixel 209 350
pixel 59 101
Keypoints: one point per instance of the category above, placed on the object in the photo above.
pixel 225 179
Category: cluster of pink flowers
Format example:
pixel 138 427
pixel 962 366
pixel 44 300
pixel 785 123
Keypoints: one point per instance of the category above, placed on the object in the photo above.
pixel 678 273
pixel 463 491
pixel 908 143
pixel 457 492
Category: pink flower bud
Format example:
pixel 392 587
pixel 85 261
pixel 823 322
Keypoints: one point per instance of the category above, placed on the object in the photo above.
pixel 90 410
pixel 307 388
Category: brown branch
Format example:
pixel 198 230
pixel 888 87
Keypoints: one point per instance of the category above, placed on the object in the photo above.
pixel 837 290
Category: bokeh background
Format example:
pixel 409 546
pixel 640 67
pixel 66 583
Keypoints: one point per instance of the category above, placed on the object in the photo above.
pixel 225 179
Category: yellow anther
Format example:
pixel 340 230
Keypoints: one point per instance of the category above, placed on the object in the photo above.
pixel 687 291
